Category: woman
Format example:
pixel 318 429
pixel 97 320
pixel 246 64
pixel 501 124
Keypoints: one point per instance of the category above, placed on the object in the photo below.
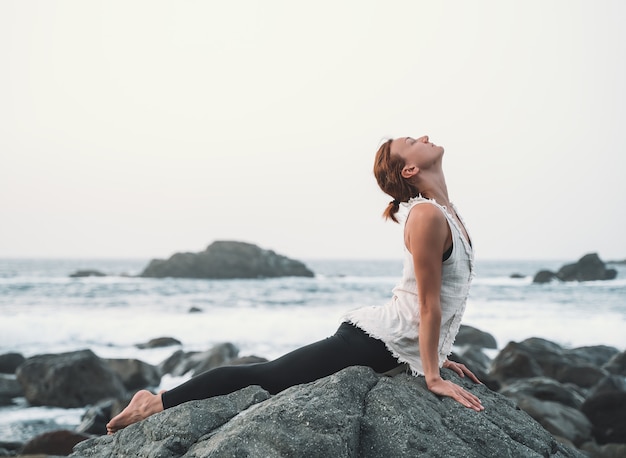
pixel 417 327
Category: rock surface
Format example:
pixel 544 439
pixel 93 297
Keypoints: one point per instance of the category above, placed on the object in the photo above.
pixel 227 259
pixel 354 413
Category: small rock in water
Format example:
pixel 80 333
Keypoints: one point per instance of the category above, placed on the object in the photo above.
pixel 87 273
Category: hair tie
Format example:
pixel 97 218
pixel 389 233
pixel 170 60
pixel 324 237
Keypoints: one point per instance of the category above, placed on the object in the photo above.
pixel 395 202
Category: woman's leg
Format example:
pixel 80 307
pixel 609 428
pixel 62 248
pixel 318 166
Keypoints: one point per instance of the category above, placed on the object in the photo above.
pixel 350 346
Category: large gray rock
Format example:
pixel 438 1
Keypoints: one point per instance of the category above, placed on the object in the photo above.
pixel 354 413
pixel 227 259
pixel 73 379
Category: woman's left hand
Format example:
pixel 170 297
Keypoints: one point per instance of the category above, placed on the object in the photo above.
pixel 460 369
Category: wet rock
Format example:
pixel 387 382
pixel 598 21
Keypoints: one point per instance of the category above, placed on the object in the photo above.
pixel 135 374
pixel 58 443
pixel 73 379
pixel 535 357
pixel 617 364
pixel 9 362
pixel 179 363
pixel 469 335
pixel 604 451
pixel 559 419
pixel 9 388
pixel 607 413
pixel 544 389
pixel 96 417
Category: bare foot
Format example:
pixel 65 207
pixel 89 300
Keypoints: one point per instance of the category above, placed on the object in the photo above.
pixel 141 406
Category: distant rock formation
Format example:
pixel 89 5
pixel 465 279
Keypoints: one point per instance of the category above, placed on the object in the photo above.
pixel 588 268
pixel 354 412
pixel 227 260
pixel 87 273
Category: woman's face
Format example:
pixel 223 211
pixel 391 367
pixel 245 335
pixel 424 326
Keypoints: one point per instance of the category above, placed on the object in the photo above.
pixel 416 151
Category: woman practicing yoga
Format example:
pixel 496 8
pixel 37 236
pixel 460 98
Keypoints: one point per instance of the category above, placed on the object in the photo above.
pixel 416 327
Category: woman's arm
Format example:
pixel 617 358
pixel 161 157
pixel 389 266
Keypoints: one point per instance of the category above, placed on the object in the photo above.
pixel 427 235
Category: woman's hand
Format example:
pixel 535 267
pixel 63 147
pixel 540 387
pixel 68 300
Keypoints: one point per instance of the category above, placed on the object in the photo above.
pixel 461 369
pixel 447 388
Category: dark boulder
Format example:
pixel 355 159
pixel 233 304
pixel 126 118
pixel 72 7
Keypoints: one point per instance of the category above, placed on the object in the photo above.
pixel 536 357
pixel 180 362
pixel 607 413
pixel 596 355
pixel 227 259
pixel 476 361
pixel 96 417
pixel 617 364
pixel 9 362
pixel 604 451
pixel 588 268
pixel 514 362
pixel 469 335
pixel 544 276
pixel 9 388
pixel 608 383
pixel 57 443
pixel 354 413
pixel 135 374
pixel 73 379
pixel 559 419
pixel 544 389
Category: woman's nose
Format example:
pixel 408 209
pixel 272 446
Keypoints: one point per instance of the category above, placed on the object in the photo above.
pixel 424 139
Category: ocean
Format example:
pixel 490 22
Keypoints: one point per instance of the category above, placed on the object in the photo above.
pixel 43 310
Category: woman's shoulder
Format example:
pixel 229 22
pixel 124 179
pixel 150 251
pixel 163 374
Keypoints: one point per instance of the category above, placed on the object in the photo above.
pixel 415 206
pixel 426 217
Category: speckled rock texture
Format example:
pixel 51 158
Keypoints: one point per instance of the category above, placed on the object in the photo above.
pixel 354 413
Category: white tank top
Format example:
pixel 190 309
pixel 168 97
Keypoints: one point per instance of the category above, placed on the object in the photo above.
pixel 396 322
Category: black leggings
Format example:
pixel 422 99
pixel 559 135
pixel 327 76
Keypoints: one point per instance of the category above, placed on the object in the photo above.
pixel 350 346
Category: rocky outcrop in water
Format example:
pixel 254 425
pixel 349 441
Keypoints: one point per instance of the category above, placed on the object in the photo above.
pixel 227 259
pixel 588 268
pixel 354 413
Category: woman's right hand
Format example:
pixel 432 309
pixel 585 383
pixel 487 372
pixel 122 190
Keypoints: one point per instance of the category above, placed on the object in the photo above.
pixel 447 388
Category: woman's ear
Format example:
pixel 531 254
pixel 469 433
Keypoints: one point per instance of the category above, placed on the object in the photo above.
pixel 409 171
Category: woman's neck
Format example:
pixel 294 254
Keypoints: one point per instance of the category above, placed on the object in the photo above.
pixel 435 189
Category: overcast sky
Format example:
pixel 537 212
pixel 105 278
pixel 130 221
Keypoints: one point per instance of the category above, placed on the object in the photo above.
pixel 143 128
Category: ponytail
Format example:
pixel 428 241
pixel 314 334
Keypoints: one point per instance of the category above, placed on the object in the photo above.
pixel 391 210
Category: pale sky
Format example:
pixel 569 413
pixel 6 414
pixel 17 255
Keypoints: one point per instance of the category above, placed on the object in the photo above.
pixel 142 128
